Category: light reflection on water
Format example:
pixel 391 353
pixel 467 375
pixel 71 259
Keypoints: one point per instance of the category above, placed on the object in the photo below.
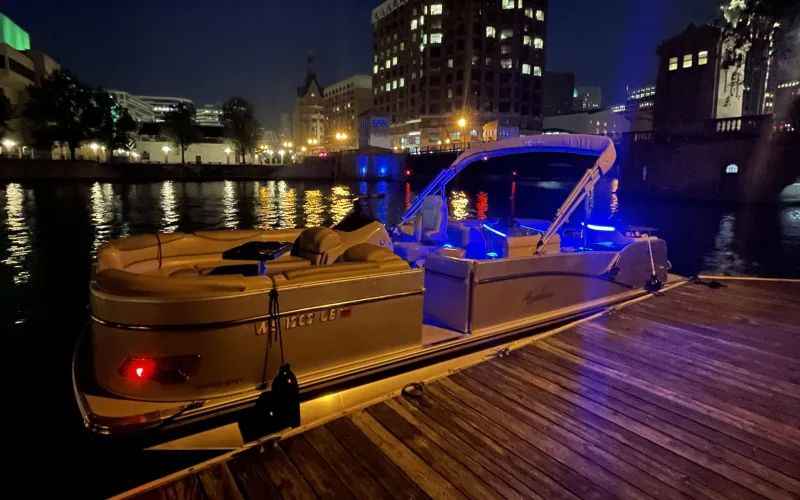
pixel 744 240
pixel 17 233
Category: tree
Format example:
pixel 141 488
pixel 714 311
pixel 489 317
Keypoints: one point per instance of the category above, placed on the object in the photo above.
pixel 794 115
pixel 179 127
pixel 110 123
pixel 241 125
pixel 5 112
pixel 745 21
pixel 58 110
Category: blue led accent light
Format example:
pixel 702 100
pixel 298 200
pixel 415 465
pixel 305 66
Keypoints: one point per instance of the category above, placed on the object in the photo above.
pixel 447 245
pixel 492 255
pixel 607 229
pixel 495 231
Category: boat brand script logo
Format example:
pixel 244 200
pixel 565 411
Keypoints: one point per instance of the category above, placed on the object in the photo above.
pixel 306 319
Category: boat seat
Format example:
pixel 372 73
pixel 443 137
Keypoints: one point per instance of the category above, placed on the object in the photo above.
pixel 430 224
pixel 359 260
pixel 319 245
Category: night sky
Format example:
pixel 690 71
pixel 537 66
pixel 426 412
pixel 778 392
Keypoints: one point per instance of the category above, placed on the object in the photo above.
pixel 210 50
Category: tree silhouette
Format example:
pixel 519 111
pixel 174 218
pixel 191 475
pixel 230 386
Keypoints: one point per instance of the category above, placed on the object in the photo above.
pixel 5 112
pixel 60 109
pixel 110 123
pixel 180 129
pixel 241 125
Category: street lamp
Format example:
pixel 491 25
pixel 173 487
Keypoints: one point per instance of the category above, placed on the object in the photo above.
pixel 462 123
pixel 228 155
pixel 94 147
pixel 9 144
pixel 166 150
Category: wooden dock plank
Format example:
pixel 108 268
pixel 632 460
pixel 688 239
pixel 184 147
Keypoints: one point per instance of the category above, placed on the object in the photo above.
pixel 691 394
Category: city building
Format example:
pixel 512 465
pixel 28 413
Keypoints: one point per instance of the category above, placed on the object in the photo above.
pixel 286 127
pixel 20 67
pixel 690 88
pixel 208 115
pixel 608 122
pixel 308 123
pixel 639 108
pixel 163 105
pixel 345 101
pixel 587 98
pixel 374 131
pixel 139 110
pixel 785 84
pixel 559 93
pixel 441 69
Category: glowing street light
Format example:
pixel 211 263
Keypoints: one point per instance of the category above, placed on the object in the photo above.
pixel 95 147
pixel 166 150
pixel 462 123
pixel 228 152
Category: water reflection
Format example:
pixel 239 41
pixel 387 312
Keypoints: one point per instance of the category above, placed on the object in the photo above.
pixel 459 205
pixel 341 203
pixel 230 206
pixel 169 208
pixel 18 234
pixel 287 206
pixel 313 208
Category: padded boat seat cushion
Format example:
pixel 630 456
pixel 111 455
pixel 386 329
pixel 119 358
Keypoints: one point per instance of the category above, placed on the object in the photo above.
pixel 128 284
pixel 366 252
pixel 316 243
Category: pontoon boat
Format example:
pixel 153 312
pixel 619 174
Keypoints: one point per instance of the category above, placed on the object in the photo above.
pixel 185 326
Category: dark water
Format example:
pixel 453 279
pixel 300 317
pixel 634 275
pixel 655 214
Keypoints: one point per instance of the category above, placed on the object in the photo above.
pixel 49 235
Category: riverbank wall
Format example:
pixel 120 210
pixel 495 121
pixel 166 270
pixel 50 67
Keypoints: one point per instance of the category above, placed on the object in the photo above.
pixel 345 166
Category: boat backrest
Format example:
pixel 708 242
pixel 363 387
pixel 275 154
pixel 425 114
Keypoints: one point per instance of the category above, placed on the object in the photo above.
pixel 320 245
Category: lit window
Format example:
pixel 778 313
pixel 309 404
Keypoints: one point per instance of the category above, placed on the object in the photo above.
pixel 732 169
pixel 506 63
pixel 687 60
pixel 506 34
pixel 413 24
pixel 491 32
pixel 508 4
pixel 526 69
pixel 425 9
pixel 529 13
pixel 538 43
pixel 449 93
pixel 450 63
pixel 394 61
pixel 375 69
pixel 505 50
pixel 488 61
pixel 436 9
pixel 673 63
pixel 519 4
pixel 527 40
pixel 540 15
pixel 402 46
pixel 702 57
pixel 436 38
pixel 422 20
pixel 394 84
pixel 402 84
pixel 388 86
pixel 388 63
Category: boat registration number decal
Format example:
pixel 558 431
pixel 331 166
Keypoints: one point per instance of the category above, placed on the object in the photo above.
pixel 307 319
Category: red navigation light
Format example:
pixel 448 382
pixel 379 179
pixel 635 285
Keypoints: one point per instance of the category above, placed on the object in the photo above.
pixel 408 173
pixel 138 368
pixel 164 370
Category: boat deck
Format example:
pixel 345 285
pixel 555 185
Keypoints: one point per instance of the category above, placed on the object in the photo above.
pixel 693 393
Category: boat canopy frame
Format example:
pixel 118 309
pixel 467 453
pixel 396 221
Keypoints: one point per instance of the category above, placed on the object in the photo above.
pixel 580 144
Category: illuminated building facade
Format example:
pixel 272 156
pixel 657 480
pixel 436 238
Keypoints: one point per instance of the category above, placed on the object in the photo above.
pixel 345 101
pixel 163 105
pixel 308 123
pixel 443 68
pixel 139 110
pixel 640 107
pixel 587 98
pixel 208 115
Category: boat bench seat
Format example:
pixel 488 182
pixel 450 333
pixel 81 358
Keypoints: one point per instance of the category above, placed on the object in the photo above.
pixel 360 260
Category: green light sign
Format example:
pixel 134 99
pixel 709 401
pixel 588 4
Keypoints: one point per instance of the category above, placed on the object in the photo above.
pixel 13 35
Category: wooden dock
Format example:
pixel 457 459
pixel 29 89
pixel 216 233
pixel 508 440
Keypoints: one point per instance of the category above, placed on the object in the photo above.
pixel 692 394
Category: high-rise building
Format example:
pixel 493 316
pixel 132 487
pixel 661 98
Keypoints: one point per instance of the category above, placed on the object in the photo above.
pixel 443 68
pixel 20 67
pixel 784 69
pixel 586 98
pixel 344 102
pixel 286 127
pixel 163 105
pixel 309 111
pixel 139 110
pixel 208 115
pixel 639 108
pixel 559 91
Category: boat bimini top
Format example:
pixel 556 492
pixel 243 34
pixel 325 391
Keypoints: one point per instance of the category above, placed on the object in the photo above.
pixel 585 145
